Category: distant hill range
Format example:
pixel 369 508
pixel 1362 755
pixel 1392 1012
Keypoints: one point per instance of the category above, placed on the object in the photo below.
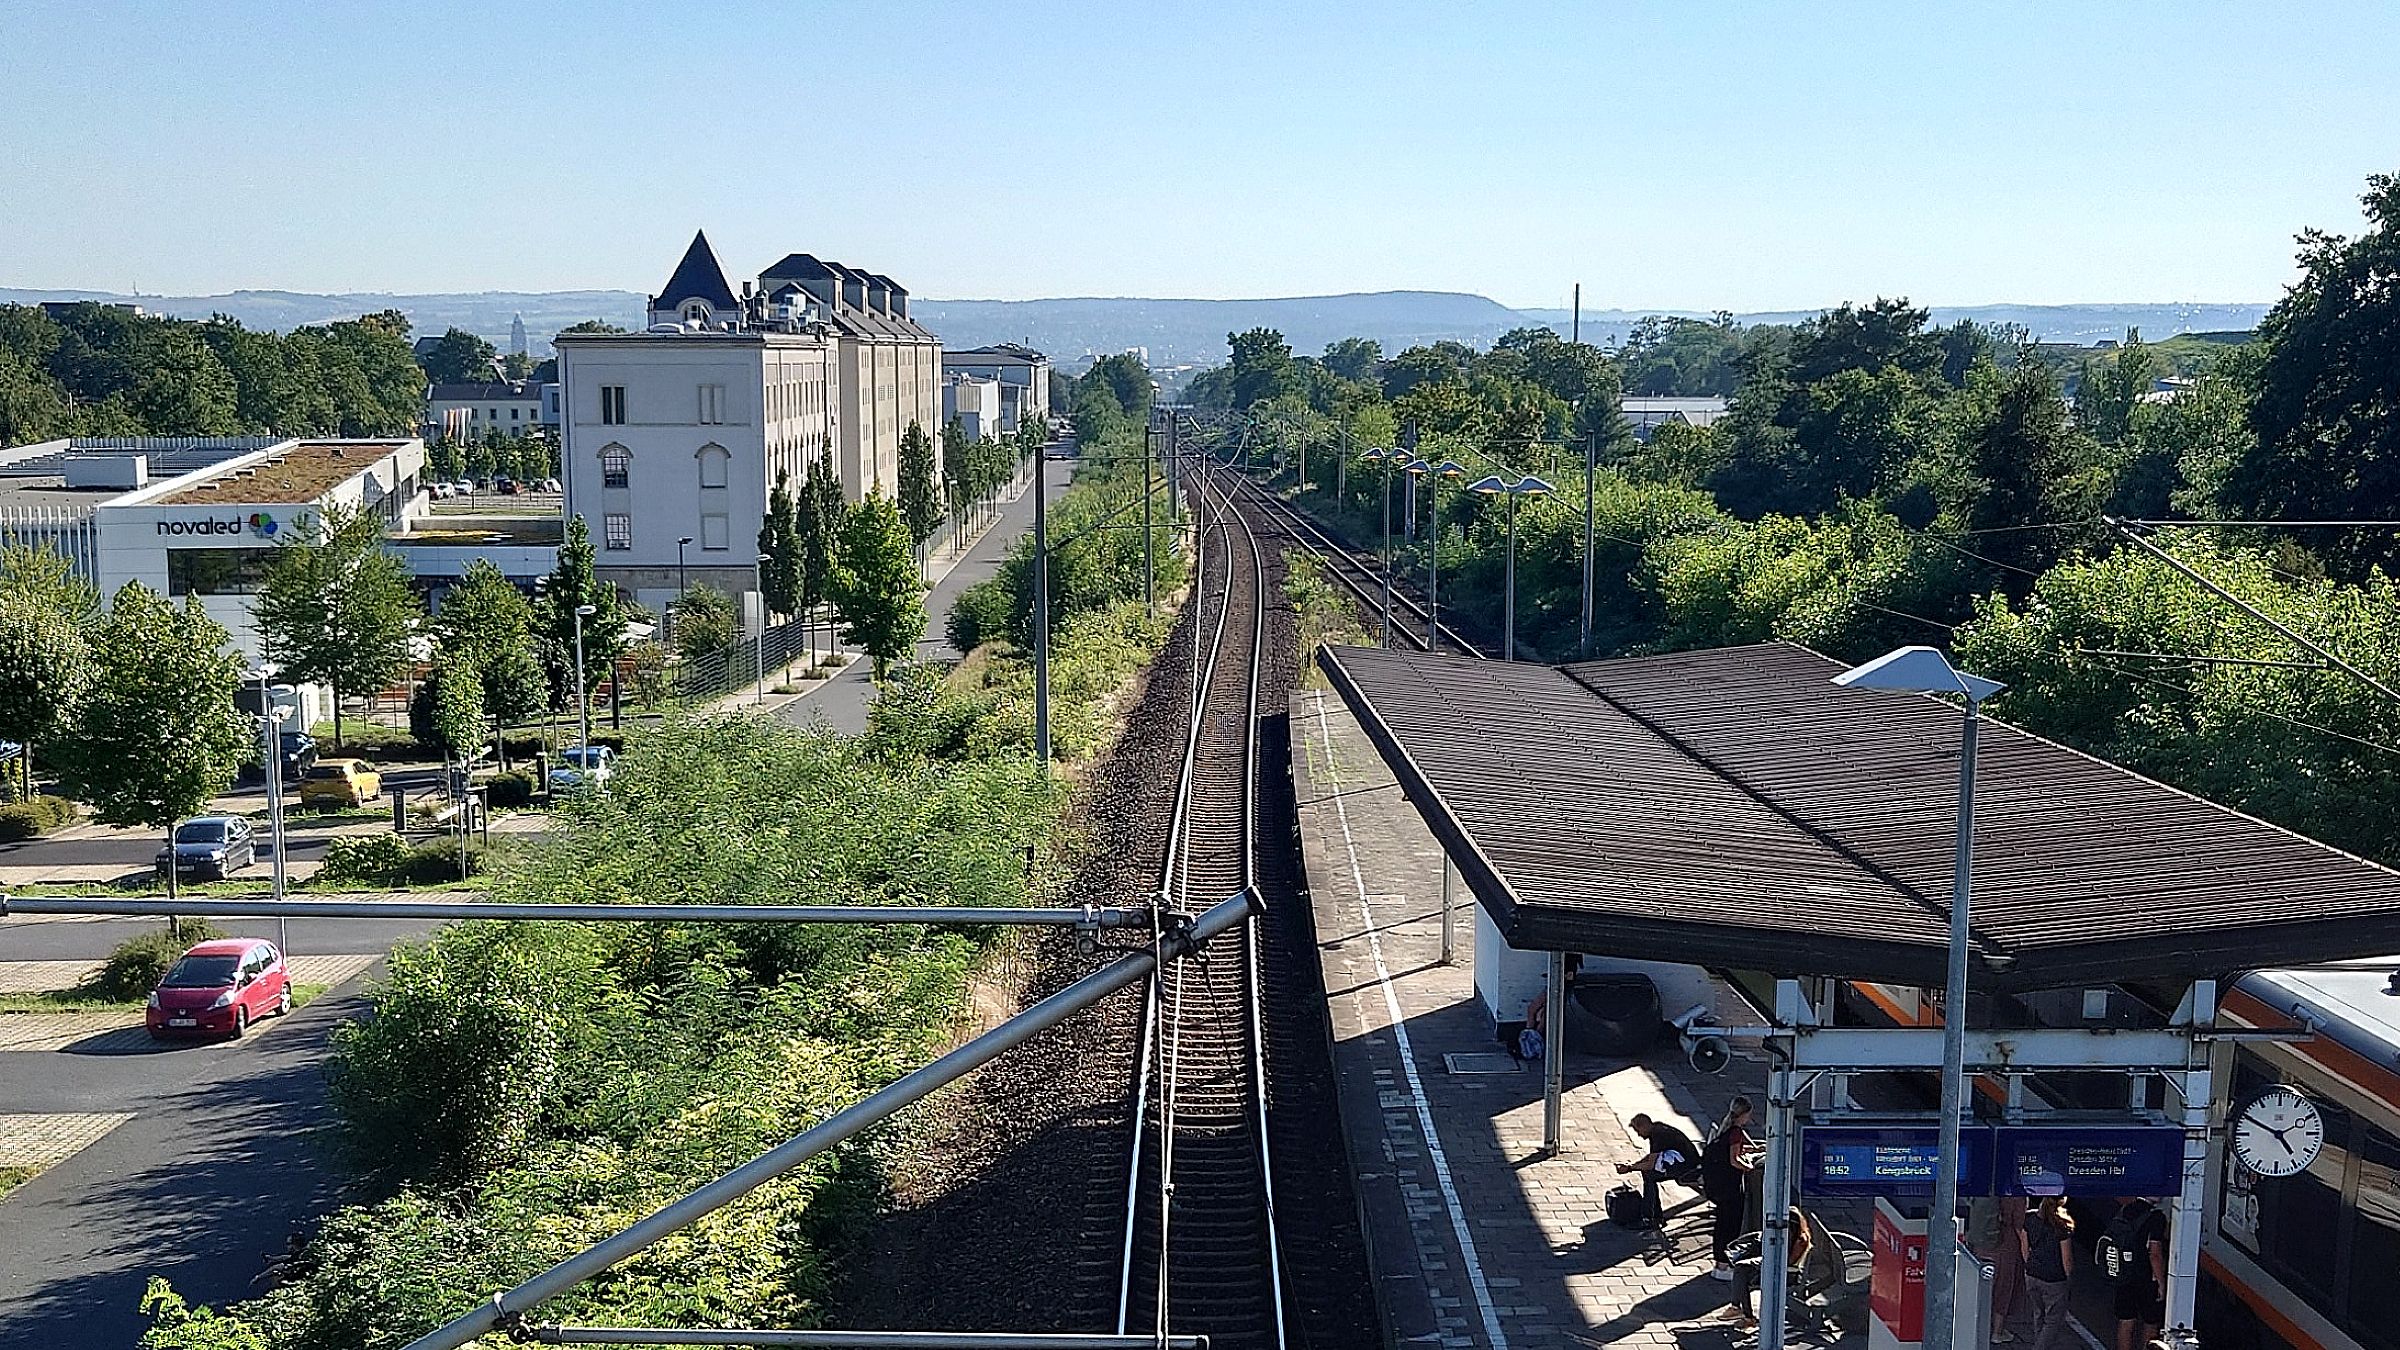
pixel 1174 332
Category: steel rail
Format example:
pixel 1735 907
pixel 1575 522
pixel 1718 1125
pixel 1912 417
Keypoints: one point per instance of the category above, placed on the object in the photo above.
pixel 559 1334
pixel 265 908
pixel 1313 538
pixel 1258 987
pixel 507 1307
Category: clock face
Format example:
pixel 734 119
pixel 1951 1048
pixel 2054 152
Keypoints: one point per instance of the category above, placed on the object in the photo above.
pixel 2279 1133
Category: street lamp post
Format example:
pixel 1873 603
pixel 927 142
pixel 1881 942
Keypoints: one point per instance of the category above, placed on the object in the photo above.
pixel 1448 468
pixel 1924 670
pixel 761 659
pixel 583 691
pixel 1387 458
pixel 1041 610
pixel 1525 485
pixel 271 714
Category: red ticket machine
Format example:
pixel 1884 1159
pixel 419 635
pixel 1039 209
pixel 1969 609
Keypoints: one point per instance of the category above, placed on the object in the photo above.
pixel 1896 1290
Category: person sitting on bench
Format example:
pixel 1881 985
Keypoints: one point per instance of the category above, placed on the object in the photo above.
pixel 1749 1272
pixel 1671 1158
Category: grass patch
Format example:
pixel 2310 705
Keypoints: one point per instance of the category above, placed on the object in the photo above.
pixel 13 1177
pixel 63 1001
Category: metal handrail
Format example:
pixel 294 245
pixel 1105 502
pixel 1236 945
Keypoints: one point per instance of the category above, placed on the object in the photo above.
pixel 267 908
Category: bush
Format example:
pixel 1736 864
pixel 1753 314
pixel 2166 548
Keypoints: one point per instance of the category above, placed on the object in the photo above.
pixel 372 858
pixel 436 860
pixel 509 789
pixel 524 747
pixel 981 613
pixel 138 964
pixel 35 815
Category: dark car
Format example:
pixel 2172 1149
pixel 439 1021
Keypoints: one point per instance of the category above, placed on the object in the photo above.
pixel 506 487
pixel 299 756
pixel 213 847
pixel 220 988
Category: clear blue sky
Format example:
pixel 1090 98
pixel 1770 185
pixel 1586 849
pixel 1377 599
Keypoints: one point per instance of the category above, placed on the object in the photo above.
pixel 1671 154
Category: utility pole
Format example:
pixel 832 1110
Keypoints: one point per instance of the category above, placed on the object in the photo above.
pixel 1578 330
pixel 1149 531
pixel 1591 464
pixel 1041 610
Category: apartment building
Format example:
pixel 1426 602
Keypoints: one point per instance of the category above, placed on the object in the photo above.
pixel 672 438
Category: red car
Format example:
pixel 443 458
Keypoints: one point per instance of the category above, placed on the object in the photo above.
pixel 220 988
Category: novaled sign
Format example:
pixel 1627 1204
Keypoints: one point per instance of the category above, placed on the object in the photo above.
pixel 203 525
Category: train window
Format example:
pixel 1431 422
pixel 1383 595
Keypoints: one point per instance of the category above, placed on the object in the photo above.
pixel 2375 1242
pixel 2300 1217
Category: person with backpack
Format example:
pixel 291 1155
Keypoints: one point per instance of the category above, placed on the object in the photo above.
pixel 1725 1162
pixel 2132 1257
pixel 2049 1251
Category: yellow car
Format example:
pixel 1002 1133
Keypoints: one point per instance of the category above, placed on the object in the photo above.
pixel 340 782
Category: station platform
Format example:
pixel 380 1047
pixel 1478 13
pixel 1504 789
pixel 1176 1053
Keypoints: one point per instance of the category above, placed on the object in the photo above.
pixel 1476 1237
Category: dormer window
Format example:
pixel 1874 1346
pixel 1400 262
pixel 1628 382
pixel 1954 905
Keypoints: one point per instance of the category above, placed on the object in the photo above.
pixel 695 311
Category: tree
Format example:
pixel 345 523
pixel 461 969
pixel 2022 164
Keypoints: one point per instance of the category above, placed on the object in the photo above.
pixel 460 357
pixel 570 586
pixel 819 517
pixel 2112 388
pixel 446 712
pixel 958 449
pixel 156 734
pixel 44 577
pixel 44 665
pixel 2036 468
pixel 704 622
pixel 486 621
pixel 446 460
pixel 1262 366
pixel 779 543
pixel 2328 406
pixel 878 593
pixel 920 501
pixel 336 608
pixel 1354 358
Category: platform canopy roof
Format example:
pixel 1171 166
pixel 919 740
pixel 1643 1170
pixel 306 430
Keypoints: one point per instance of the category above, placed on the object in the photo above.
pixel 1734 809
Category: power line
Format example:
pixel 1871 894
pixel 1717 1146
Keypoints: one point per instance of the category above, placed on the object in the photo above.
pixel 2256 712
pixel 2270 524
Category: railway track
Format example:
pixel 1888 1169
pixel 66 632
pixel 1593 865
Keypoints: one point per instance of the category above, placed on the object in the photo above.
pixel 1201 1252
pixel 1357 571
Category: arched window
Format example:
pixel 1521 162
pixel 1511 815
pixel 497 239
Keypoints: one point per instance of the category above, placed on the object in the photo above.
pixel 714 462
pixel 616 466
pixel 696 310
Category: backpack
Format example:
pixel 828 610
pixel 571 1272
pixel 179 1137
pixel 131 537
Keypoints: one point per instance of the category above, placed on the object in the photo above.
pixel 2119 1254
pixel 1529 1044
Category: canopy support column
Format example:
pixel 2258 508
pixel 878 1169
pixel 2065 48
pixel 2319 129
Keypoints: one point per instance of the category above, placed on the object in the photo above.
pixel 1775 1206
pixel 2183 1234
pixel 1554 1054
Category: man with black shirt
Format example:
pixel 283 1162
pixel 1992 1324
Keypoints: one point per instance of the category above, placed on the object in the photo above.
pixel 1671 1158
pixel 2141 1296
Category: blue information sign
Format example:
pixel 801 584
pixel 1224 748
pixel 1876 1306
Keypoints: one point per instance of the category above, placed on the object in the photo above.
pixel 2089 1160
pixel 1889 1160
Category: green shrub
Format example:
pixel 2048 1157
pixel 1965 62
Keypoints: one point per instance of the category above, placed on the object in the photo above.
pixel 376 859
pixel 509 789
pixel 436 860
pixel 981 613
pixel 138 964
pixel 33 816
pixel 524 747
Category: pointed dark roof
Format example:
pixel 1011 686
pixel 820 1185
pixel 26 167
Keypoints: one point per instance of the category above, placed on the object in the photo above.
pixel 697 277
pixel 802 265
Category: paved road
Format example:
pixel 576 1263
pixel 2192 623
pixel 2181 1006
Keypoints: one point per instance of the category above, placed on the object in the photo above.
pixel 843 700
pixel 223 1166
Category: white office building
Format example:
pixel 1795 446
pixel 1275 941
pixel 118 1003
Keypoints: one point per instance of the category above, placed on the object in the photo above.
pixel 975 405
pixel 1022 373
pixel 202 518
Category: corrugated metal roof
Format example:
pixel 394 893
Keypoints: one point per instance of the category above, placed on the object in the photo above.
pixel 1734 808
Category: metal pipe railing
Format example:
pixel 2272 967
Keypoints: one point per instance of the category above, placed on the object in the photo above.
pixel 856 1340
pixel 266 908
pixel 511 1304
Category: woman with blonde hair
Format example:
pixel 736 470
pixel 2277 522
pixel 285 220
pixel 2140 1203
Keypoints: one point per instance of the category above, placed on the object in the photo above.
pixel 2047 1242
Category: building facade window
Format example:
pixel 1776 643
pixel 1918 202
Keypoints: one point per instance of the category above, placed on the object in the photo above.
pixel 612 405
pixel 716 532
pixel 712 404
pixel 617 530
pixel 714 462
pixel 218 571
pixel 616 467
